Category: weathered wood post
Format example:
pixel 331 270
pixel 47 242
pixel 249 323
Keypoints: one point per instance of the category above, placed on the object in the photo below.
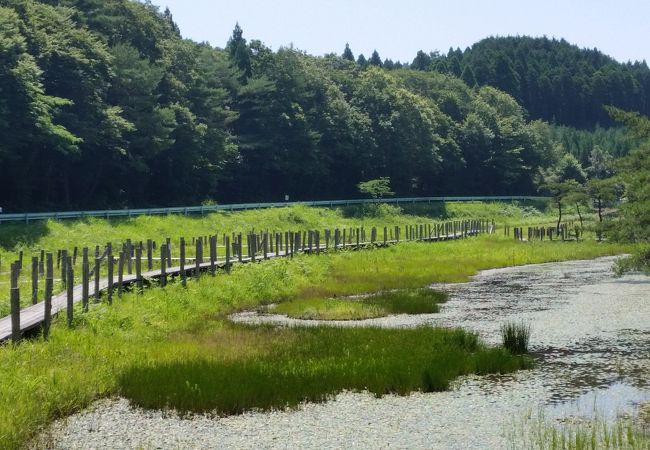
pixel 138 270
pixel 252 246
pixel 149 254
pixel 69 291
pixel 266 245
pixel 34 280
pixel 49 287
pixel 41 263
pixel 85 279
pixel 98 263
pixel 227 243
pixel 182 256
pixel 120 274
pixel 163 265
pixel 197 258
pixel 109 273
pixel 213 255
pixel 15 303
pixel 129 256
pixel 168 241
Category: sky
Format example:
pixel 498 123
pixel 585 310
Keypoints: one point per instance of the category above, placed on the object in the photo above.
pixel 397 29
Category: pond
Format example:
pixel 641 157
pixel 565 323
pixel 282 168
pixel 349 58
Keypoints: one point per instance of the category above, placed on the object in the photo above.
pixel 590 336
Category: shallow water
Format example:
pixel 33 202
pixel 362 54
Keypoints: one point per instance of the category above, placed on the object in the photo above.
pixel 590 336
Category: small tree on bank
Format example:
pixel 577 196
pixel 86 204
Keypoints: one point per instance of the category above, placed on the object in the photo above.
pixel 377 189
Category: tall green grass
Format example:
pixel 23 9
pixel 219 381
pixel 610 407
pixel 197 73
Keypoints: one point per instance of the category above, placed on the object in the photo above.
pixel 585 434
pixel 515 337
pixel 313 364
pixel 403 301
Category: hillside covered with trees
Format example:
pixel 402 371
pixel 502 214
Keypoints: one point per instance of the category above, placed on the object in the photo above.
pixel 104 104
pixel 554 80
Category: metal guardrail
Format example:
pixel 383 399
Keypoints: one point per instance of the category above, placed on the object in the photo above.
pixel 107 214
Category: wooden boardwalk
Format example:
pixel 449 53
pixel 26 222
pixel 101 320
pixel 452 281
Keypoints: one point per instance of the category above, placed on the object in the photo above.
pixel 33 317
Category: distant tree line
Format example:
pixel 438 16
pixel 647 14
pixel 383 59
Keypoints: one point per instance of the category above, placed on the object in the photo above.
pixel 554 80
pixel 103 104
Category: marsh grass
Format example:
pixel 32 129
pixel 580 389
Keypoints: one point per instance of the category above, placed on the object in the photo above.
pixel 315 364
pixel 587 434
pixel 515 337
pixel 403 301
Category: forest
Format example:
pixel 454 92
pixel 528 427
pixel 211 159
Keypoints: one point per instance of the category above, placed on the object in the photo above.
pixel 103 104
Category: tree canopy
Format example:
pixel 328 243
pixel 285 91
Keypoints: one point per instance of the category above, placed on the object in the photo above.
pixel 104 104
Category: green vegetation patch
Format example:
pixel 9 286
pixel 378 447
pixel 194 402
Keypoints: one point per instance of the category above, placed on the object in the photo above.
pixel 43 381
pixel 313 364
pixel 406 301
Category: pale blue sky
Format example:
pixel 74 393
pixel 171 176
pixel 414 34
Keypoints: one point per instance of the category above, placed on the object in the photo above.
pixel 398 29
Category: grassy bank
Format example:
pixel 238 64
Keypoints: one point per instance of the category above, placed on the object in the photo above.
pixel 176 327
pixel 52 235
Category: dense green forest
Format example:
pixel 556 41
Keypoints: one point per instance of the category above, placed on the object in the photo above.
pixel 104 104
pixel 554 80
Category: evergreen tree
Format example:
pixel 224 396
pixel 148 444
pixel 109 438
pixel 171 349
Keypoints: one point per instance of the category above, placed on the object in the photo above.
pixel 375 59
pixel 239 52
pixel 422 61
pixel 347 53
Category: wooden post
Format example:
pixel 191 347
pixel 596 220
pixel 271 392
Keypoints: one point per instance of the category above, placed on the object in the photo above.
pixel 266 245
pixel 149 254
pixel 85 279
pixel 120 273
pixel 49 287
pixel 227 243
pixel 75 252
pixel 34 280
pixel 168 241
pixel 129 256
pixel 213 255
pixel 70 291
pixel 97 274
pixel 138 269
pixel 240 245
pixel 15 303
pixel 182 256
pixel 109 273
pixel 163 265
pixel 197 256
